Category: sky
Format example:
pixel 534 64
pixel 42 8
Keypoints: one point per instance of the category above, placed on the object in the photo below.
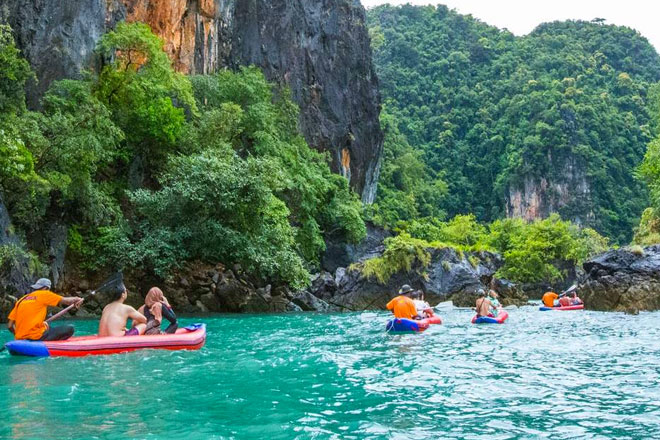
pixel 522 16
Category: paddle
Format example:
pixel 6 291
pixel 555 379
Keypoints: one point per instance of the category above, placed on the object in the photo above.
pixel 116 278
pixel 444 305
pixel 569 290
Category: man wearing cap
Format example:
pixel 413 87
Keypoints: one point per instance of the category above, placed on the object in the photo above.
pixel 27 318
pixel 403 306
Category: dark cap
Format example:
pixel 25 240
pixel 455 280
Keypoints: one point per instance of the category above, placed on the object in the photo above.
pixel 405 289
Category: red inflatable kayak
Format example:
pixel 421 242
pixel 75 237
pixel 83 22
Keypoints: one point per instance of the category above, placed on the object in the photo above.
pixel 411 325
pixel 188 338
pixel 575 307
pixel 501 317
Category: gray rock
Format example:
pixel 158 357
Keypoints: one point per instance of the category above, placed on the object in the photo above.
pixel 624 279
pixel 58 38
pixel 202 308
pixel 339 254
pixel 308 302
pixel 323 285
pixel 57 245
pixel 16 275
pixel 293 307
pixel 450 276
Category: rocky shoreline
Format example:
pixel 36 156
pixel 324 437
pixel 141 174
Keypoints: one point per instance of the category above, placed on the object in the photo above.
pixel 626 279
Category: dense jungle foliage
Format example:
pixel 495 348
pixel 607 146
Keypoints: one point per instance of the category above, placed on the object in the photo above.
pixel 648 231
pixel 474 113
pixel 148 168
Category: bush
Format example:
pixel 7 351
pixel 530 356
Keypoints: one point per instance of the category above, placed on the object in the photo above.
pixel 402 253
pixel 648 231
pixel 14 72
pixel 462 233
pixel 216 208
pixel 531 251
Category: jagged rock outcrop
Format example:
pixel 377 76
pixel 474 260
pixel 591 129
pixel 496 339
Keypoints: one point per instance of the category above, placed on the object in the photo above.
pixel 626 279
pixel 451 275
pixel 340 254
pixel 320 49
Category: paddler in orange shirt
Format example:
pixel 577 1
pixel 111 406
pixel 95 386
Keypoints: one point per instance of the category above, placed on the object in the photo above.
pixel 403 306
pixel 550 299
pixel 27 318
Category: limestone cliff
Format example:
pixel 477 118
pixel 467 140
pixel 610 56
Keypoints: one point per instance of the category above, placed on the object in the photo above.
pixel 320 49
pixel 567 192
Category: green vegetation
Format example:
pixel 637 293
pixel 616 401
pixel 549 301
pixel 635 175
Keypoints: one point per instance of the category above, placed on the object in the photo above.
pixel 563 109
pixel 648 231
pixel 407 187
pixel 532 251
pixel 149 168
pixel 402 253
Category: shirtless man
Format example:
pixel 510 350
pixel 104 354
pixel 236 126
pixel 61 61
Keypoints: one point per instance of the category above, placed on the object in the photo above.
pixel 115 315
pixel 483 304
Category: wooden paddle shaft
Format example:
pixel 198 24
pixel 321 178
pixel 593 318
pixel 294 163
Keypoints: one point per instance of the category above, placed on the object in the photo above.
pixel 60 313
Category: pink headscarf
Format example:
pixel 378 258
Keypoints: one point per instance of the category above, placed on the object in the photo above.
pixel 154 301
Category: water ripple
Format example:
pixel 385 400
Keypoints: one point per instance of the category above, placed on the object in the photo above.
pixel 541 375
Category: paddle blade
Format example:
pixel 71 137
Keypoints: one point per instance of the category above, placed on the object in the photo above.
pixel 445 305
pixel 113 282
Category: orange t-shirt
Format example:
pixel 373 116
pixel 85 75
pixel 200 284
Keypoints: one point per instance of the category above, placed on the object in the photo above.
pixel 403 307
pixel 29 313
pixel 549 298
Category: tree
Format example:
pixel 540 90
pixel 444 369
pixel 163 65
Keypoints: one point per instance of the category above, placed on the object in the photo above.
pixel 14 72
pixel 147 98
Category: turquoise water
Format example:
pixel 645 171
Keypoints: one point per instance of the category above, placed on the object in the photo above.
pixel 310 376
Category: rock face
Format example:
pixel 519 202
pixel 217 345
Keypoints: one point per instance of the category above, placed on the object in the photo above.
pixel 567 191
pixel 320 49
pixel 58 38
pixel 15 270
pixel 450 276
pixel 623 280
pixel 339 254
pixel 202 288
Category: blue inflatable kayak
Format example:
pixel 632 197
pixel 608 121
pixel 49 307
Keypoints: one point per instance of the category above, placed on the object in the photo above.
pixel 501 317
pixel 406 325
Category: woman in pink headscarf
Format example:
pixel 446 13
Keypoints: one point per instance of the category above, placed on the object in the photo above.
pixel 156 308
